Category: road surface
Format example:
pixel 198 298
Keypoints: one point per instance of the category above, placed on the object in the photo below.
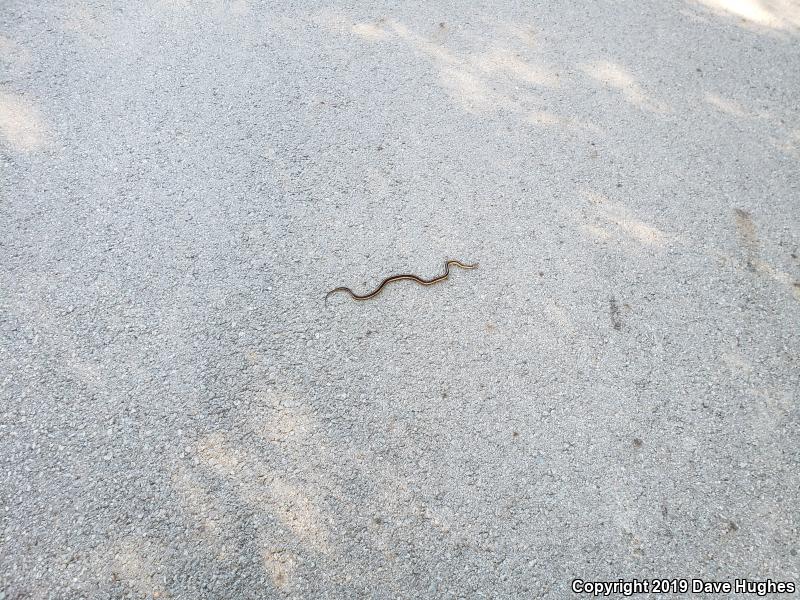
pixel 612 394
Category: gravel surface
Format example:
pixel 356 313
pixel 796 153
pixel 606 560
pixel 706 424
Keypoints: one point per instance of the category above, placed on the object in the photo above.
pixel 613 393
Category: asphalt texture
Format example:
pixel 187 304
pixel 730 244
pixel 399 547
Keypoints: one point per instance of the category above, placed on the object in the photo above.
pixel 613 393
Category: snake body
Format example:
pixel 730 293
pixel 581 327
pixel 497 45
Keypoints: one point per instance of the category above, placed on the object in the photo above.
pixel 408 276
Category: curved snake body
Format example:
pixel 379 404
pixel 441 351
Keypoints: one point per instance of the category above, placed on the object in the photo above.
pixel 408 276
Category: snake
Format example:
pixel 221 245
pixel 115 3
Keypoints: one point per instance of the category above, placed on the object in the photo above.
pixel 404 276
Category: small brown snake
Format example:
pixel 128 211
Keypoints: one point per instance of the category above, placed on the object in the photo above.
pixel 408 276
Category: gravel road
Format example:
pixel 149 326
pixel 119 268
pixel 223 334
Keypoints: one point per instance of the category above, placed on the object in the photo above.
pixel 614 393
